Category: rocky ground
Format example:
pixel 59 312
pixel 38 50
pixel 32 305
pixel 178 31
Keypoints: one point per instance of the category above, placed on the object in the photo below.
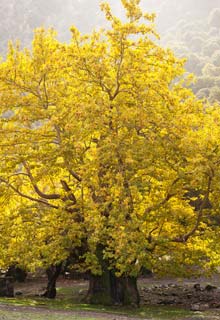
pixel 195 294
pixel 160 299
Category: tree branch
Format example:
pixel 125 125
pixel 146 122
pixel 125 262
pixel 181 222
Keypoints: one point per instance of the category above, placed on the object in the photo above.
pixel 75 175
pixel 185 237
pixel 43 195
pixel 66 188
pixel 162 202
pixel 23 195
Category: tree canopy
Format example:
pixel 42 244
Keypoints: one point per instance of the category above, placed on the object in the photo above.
pixel 103 143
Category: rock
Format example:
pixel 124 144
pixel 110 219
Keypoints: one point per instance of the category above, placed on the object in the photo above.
pixel 195 307
pixel 199 307
pixel 196 295
pixel 168 301
pixel 174 294
pixel 209 287
pixel 197 287
pixel 215 304
pixel 172 285
pixel 82 291
pixel 163 286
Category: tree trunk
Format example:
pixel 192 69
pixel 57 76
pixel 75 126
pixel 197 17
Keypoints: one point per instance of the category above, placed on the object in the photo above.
pixel 100 289
pixel 128 290
pixel 53 273
pixel 124 290
pixel 100 286
pixel 16 273
pixel 107 289
pixel 6 286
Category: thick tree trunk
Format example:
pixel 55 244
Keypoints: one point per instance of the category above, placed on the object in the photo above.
pixel 6 286
pixel 108 289
pixel 16 273
pixel 53 273
pixel 124 290
pixel 100 289
pixel 100 286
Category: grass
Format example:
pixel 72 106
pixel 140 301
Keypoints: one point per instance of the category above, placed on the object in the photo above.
pixel 16 315
pixel 68 299
pixel 68 305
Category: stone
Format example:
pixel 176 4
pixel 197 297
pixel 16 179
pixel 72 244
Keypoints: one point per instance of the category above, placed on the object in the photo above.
pixel 82 291
pixel 192 294
pixel 199 307
pixel 197 287
pixel 168 301
pixel 210 287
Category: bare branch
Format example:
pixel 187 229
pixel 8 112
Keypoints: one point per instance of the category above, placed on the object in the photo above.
pixel 43 195
pixel 70 194
pixel 23 195
pixel 185 237
pixel 75 175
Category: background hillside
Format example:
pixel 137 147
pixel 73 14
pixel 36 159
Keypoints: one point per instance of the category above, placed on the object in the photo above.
pixel 190 27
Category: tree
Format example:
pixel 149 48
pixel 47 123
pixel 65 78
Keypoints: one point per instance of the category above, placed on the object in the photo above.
pixel 216 58
pixel 214 18
pixel 99 148
pixel 214 95
pixel 45 237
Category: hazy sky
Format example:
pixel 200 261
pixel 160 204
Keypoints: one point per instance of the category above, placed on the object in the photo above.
pixel 20 17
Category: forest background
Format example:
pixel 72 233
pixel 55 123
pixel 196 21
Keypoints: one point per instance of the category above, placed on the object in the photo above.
pixel 190 28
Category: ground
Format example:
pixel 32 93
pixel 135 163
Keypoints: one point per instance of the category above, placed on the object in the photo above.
pixel 195 293
pixel 160 299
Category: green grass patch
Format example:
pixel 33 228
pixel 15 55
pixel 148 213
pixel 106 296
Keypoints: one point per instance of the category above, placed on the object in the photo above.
pixel 69 305
pixel 69 299
pixel 16 315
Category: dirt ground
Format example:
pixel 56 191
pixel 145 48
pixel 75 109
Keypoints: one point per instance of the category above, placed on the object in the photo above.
pixel 203 292
pixel 64 314
pixel 195 294
pixel 202 295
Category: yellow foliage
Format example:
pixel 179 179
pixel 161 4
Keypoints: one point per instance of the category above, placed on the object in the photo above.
pixel 103 142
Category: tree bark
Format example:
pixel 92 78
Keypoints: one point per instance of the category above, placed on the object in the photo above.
pixel 6 287
pixel 100 289
pixel 100 286
pixel 124 290
pixel 53 273
pixel 16 273
pixel 108 289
